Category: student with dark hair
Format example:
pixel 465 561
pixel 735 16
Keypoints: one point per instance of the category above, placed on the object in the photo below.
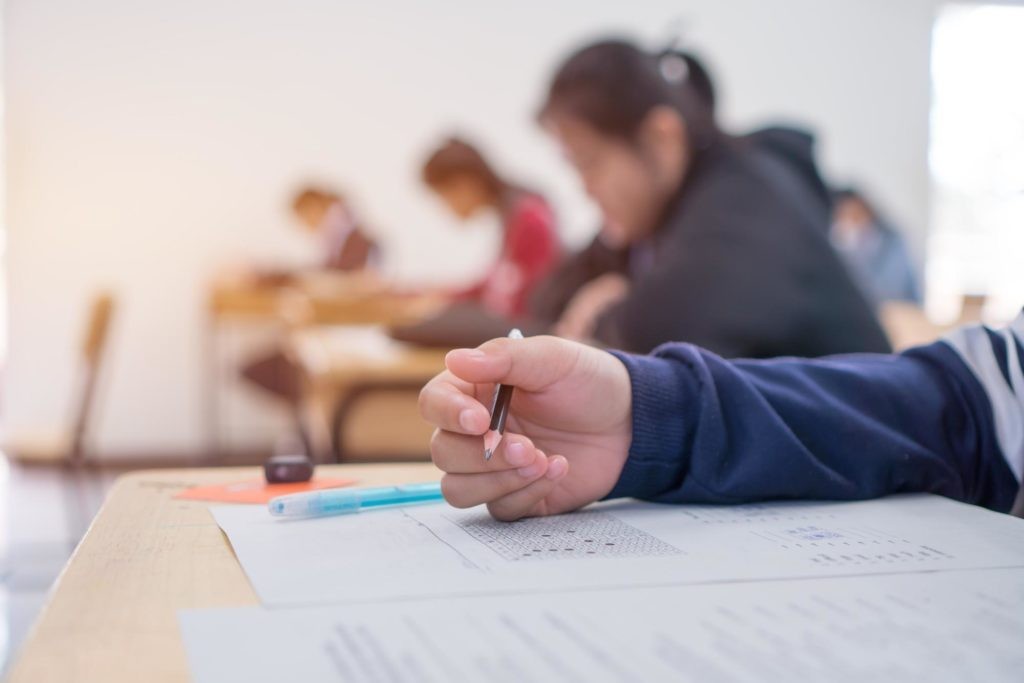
pixel 605 255
pixel 727 236
pixel 468 184
pixel 873 249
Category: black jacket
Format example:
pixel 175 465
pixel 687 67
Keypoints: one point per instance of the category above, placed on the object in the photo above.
pixel 742 262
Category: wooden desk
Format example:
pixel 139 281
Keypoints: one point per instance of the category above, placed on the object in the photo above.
pixel 906 325
pixel 341 355
pixel 344 368
pixel 112 615
pixel 243 302
pixel 319 298
pixel 329 299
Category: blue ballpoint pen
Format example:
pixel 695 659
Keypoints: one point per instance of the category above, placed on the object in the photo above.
pixel 347 501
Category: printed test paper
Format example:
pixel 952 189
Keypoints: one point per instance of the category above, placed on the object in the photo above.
pixel 436 550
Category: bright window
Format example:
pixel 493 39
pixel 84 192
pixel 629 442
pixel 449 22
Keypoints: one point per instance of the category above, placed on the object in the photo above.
pixel 977 159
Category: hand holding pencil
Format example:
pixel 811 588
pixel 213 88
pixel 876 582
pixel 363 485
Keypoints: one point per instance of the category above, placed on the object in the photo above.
pixel 568 425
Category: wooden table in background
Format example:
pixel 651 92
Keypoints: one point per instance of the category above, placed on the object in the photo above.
pixel 313 299
pixel 352 368
pixel 112 616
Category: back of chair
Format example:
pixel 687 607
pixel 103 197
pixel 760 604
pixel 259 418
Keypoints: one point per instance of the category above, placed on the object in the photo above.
pixel 101 312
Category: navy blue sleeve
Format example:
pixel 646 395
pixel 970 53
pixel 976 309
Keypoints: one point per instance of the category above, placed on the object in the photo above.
pixel 849 427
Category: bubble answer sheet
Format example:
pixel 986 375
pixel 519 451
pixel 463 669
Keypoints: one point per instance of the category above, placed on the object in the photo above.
pixel 928 627
pixel 436 550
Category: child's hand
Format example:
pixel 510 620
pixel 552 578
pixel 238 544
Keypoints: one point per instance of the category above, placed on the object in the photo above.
pixel 579 320
pixel 568 431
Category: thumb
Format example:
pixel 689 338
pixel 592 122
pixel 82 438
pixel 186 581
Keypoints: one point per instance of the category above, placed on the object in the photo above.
pixel 532 364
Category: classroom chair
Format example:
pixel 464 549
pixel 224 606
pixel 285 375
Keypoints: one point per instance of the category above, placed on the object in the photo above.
pixel 67 443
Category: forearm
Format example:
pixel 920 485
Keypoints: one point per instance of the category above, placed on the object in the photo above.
pixel 710 430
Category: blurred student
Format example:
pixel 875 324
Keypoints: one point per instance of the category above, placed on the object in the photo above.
pixel 685 426
pixel 530 247
pixel 727 235
pixel 605 255
pixel 874 250
pixel 346 247
pixel 344 244
pixel 327 215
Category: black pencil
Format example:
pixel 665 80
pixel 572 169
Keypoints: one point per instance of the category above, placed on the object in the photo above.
pixel 499 411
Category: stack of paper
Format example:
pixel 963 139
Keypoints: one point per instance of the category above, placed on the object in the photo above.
pixel 625 591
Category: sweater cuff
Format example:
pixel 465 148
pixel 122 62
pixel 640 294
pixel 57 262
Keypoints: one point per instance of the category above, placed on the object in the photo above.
pixel 664 410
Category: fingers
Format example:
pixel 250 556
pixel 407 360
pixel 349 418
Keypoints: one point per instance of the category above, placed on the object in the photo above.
pixel 529 500
pixel 531 364
pixel 464 454
pixel 467 490
pixel 446 402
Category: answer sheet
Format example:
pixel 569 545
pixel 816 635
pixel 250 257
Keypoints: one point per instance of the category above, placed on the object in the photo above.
pixel 946 626
pixel 437 550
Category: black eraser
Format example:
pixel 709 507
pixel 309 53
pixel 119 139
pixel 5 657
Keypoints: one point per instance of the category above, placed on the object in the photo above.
pixel 288 469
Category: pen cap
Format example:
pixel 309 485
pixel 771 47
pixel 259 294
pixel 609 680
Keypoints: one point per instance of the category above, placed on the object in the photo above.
pixel 311 505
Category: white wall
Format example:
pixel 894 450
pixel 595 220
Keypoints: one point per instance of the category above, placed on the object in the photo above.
pixel 148 142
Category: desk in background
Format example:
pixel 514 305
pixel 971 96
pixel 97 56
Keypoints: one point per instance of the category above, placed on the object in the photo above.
pixel 352 371
pixel 313 299
pixel 112 615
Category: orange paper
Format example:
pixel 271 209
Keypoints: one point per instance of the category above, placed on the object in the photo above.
pixel 257 490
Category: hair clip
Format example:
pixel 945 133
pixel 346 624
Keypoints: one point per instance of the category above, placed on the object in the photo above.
pixel 673 68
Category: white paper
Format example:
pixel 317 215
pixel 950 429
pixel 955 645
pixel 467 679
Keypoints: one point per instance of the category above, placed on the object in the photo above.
pixel 436 550
pixel 946 626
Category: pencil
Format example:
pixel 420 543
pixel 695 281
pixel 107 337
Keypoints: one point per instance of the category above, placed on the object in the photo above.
pixel 499 411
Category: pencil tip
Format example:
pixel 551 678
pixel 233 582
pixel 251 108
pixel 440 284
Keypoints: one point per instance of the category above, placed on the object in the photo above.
pixel 491 441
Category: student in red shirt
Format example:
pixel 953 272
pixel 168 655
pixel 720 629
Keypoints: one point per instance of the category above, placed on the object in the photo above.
pixel 467 184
